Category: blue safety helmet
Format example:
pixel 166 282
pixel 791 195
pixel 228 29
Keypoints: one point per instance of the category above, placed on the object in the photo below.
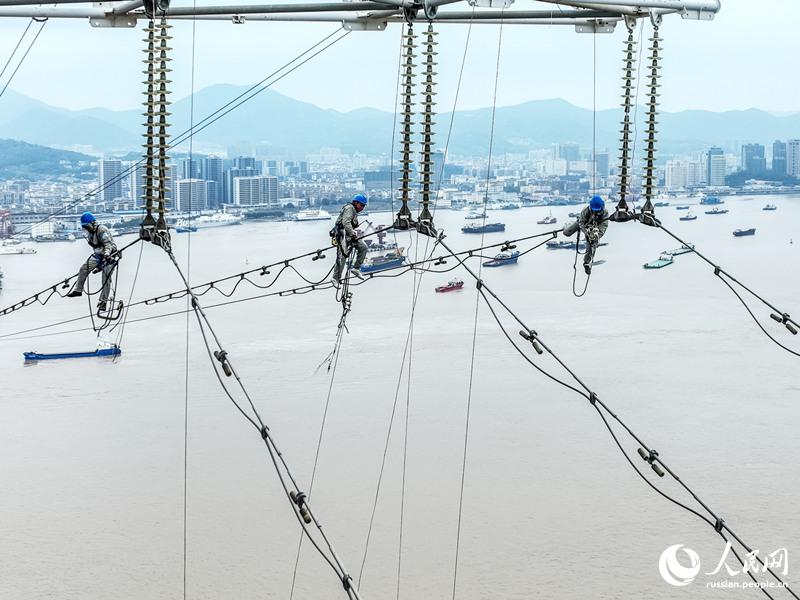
pixel 597 204
pixel 87 218
pixel 361 198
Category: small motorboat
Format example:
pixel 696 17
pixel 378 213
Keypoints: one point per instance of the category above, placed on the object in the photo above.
pixel 574 215
pixel 476 215
pixel 661 262
pixel 548 220
pixel 503 258
pixel 770 207
pixel 185 229
pixel 744 232
pixel 685 249
pixel 684 207
pixel 452 285
pixel 661 204
pixel 99 353
pixel 598 262
pixel 717 211
pixel 689 217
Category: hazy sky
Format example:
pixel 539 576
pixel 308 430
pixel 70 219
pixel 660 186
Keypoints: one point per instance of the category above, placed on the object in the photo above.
pixel 747 57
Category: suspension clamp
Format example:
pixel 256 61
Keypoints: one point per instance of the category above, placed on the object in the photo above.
pixel 785 320
pixel 592 398
pixel 650 457
pixel 264 433
pixel 719 524
pixel 347 582
pixel 507 245
pixel 318 255
pixel 222 357
pixel 299 498
pixel 648 218
pixel 530 336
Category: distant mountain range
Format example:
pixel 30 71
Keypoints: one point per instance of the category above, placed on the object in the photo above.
pixel 293 128
pixel 23 160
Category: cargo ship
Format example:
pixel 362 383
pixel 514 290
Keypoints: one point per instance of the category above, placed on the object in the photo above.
pixel 452 285
pixel 487 228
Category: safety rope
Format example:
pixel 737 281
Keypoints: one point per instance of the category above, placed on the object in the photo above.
pixel 417 288
pixel 44 296
pixel 468 408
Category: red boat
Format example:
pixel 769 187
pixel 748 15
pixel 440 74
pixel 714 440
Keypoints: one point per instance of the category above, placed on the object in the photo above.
pixel 455 284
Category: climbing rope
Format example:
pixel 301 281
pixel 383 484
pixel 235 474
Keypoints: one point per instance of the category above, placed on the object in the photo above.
pixel 468 408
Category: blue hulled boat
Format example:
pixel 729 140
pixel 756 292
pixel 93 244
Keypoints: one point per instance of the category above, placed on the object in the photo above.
pixel 100 352
pixel 504 258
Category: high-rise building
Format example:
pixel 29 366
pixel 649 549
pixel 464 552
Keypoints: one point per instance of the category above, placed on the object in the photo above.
pixel 779 158
pixel 569 152
pixel 601 159
pixel 676 174
pixel 712 152
pixel 110 175
pixel 258 189
pixel 137 185
pixel 793 158
pixel 246 162
pixel 211 169
pixel 694 173
pixel 716 170
pixel 230 177
pixel 271 167
pixel 189 168
pixel 192 195
pixel 754 159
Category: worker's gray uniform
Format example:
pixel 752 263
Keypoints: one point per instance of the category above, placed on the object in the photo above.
pixel 103 244
pixel 588 221
pixel 346 225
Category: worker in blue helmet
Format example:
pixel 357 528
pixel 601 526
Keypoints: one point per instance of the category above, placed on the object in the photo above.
pixel 103 259
pixel 346 239
pixel 593 222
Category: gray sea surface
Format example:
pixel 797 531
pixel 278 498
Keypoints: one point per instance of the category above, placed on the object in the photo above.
pixel 92 451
